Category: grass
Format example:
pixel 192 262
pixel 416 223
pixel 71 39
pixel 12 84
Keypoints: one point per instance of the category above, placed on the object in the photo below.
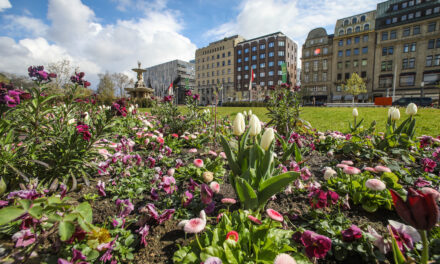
pixel 337 118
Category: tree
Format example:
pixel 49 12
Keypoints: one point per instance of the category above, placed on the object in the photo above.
pixel 355 86
pixel 64 70
pixel 106 88
pixel 121 81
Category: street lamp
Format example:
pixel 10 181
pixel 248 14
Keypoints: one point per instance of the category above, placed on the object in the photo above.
pixel 422 92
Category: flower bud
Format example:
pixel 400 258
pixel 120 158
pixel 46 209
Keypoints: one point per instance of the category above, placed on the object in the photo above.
pixel 239 126
pixel 254 126
pixel 267 138
pixel 355 112
pixel 411 109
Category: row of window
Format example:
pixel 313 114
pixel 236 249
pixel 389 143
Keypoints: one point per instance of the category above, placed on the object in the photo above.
pixel 269 83
pixel 213 50
pixel 214 81
pixel 354 20
pixel 347 75
pixel 262 56
pixel 315 77
pixel 213 57
pixel 408 79
pixel 262 74
pixel 262 65
pixel 223 72
pixel 355 63
pixel 409 63
pixel 355 52
pixel 316 52
pixel 315 65
pixel 262 47
pixel 356 40
pixel 350 30
pixel 222 64
pixel 410 16
pixel 390 35
pixel 318 89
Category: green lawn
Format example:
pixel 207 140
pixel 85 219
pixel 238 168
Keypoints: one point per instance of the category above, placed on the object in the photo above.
pixel 336 118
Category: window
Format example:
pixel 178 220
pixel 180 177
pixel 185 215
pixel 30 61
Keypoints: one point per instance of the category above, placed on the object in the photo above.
pixel 354 20
pixel 431 26
pixel 384 36
pixel 246 68
pixel 428 61
pixel 280 53
pixel 364 62
pixel 271 44
pixel 281 73
pixel 348 41
pixel 271 54
pixel 254 66
pixel 254 57
pixel 324 50
pixel 406 48
pixel 246 50
pixel 238 77
pixel 355 63
pixel 246 58
pixel 407 80
pixel 385 81
pixel 437 60
pixel 436 9
pixel 406 32
pixel 324 64
pixel 239 52
pixel 262 83
pixel 262 74
pixel 386 66
pixel 418 13
pixel 431 78
pixel 387 51
pixel 223 63
pixel 348 52
pixel 347 75
pixel 388 21
pixel 356 51
pixel 338 88
pixel 367 27
pixel 349 31
pixel 254 48
pixel 271 63
pixel 416 30
pixel 306 55
pixel 364 50
pixel 408 63
pixel 229 71
pixel 347 64
pixel 437 44
pixel 340 43
pixel 346 22
pixel 339 76
pixel 315 77
pixel 395 7
pixel 428 11
pixel 365 38
pixel 315 65
pixel 270 73
pixel 357 29
pixel 262 65
pixel 229 54
pixel 229 62
pixel 411 16
pixel 339 65
pixel 362 18
pixel 364 74
pixel 413 47
pixel 271 82
pixel 239 61
pixel 404 18
pixel 280 62
pixel 393 34
pixel 404 4
pixel 281 43
pixel 357 39
pixel 324 76
pixel 246 76
pixel 341 32
pixel 431 43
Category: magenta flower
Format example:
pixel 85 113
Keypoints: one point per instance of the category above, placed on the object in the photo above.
pixel 101 188
pixel 232 235
pixel 316 245
pixel 192 150
pixel 351 170
pixel 109 246
pixel 198 163
pixel 274 215
pixel 152 162
pixel 166 214
pixel 179 163
pixel 341 166
pixel 143 231
pixel 84 131
pixel 420 182
pixel 405 235
pixel 305 174
pixel 209 209
pixel 24 194
pixel 187 198
pixel 154 195
pixel 428 164
pixel 77 255
pixel 222 155
pixel 351 234
pixel 23 238
pixel 169 184
pixel 192 185
pixel 126 206
pixel 370 169
pixel 206 194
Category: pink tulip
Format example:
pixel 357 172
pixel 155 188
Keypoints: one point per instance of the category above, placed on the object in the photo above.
pixel 228 201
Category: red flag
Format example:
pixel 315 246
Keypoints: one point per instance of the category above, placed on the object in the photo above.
pixel 251 79
pixel 170 89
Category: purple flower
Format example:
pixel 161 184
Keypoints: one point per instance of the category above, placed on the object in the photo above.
pixel 143 231
pixel 169 184
pixel 179 163
pixel 196 96
pixel 24 194
pixel 127 207
pixel 166 215
pixel 351 234
pixel 101 188
pixel 77 255
pixel 206 194
pixel 188 93
pixel 63 189
pixel 187 198
pixel 426 141
pixel 305 174
pixel 405 235
pixel 192 185
pixel 109 246
pixel 209 209
pixel 153 194
pixel 428 164
pixel 420 182
pixel 316 245
pixel 152 162
pixel 84 130
pixel 23 238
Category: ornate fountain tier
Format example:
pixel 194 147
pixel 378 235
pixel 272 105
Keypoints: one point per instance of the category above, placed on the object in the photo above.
pixel 140 90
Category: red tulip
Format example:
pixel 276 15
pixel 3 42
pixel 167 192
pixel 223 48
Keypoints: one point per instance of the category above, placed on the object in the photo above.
pixel 419 210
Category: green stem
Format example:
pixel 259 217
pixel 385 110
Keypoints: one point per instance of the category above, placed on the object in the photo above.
pixel 425 251
pixel 198 242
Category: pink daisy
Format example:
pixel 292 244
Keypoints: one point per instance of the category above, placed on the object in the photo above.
pixel 380 168
pixel 232 235
pixel 274 215
pixel 228 201
pixel 254 220
pixel 284 259
pixel 347 162
pixel 375 185
pixel 215 186
pixel 198 163
pixel 370 169
pixel 195 225
pixel 351 170
pixel 341 166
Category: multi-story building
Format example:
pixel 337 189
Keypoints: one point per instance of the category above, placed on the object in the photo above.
pixel 316 65
pixel 178 72
pixel 215 68
pixel 353 51
pixel 408 48
pixel 264 55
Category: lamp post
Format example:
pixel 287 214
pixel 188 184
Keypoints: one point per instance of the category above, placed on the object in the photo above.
pixel 422 92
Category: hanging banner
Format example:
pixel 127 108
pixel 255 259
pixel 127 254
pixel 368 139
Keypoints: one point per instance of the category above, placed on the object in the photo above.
pixel 187 84
pixel 284 71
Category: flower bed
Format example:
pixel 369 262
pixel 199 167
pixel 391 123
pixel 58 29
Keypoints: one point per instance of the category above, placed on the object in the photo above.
pixel 82 183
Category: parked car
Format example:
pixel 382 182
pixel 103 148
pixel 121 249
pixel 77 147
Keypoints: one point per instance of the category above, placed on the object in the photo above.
pixel 419 101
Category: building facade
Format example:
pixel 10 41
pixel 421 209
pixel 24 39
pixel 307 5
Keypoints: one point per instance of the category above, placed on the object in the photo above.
pixel 316 65
pixel 178 72
pixel 264 55
pixel 215 69
pixel 353 51
pixel 408 48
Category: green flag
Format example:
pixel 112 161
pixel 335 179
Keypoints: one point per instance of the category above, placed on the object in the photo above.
pixel 284 70
pixel 186 84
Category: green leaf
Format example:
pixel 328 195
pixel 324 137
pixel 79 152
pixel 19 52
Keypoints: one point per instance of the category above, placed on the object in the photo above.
pixel 86 211
pixel 66 230
pixel 298 156
pixel 8 214
pixel 274 185
pixel 397 254
pixel 246 194
pixel 230 156
pixel 265 166
pixel 36 211
pixel 25 204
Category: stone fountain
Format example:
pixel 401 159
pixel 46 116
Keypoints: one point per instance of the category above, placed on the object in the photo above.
pixel 140 90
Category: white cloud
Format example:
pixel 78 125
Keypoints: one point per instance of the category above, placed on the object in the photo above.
pixel 4 4
pixel 95 47
pixel 32 26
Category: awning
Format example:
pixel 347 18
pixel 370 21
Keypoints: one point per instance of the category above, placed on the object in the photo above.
pixel 337 97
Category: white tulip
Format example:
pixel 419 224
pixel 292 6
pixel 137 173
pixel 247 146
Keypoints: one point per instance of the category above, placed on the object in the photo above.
pixel 244 113
pixel 267 138
pixel 254 126
pixel 395 114
pixel 250 112
pixel 239 126
pixel 86 117
pixel 355 112
pixel 411 109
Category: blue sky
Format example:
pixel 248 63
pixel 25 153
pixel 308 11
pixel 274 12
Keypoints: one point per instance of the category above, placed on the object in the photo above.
pixel 112 35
